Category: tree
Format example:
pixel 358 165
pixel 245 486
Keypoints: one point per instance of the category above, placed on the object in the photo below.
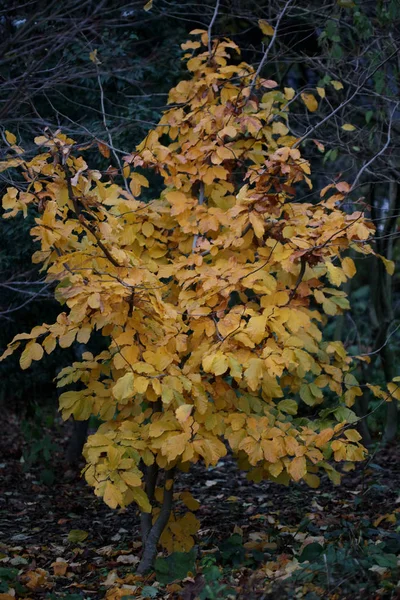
pixel 211 297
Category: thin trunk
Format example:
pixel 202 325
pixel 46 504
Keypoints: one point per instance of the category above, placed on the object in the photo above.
pixel 150 486
pixel 361 403
pixel 383 305
pixel 76 442
pixel 154 534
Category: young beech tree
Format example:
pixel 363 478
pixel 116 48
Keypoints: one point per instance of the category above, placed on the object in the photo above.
pixel 211 298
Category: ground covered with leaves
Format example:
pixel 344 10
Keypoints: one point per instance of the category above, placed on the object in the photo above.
pixel 257 541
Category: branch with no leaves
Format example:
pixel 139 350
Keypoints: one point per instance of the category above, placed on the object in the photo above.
pixel 271 43
pixel 211 26
pixel 110 140
pixel 345 102
pixel 381 151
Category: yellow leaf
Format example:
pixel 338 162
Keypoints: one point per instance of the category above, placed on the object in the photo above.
pixel 104 149
pixel 310 101
pixel 335 274
pixel 256 328
pixel 348 127
pixel 352 435
pixel 312 480
pixel 137 182
pixel 174 446
pixel 348 266
pixel 237 420
pixel 289 93
pixel 321 92
pixel 112 496
pixel 258 224
pixel 68 399
pixel 265 27
pixel 394 390
pixel 297 468
pixel 276 468
pixel 131 478
pixel 140 384
pixel 123 389
pixel 140 497
pixel 271 450
pixel 68 338
pixel 323 437
pixel 330 308
pixel 178 201
pixel 183 412
pixel 148 229
pixel 336 84
pixel 60 567
pixel 211 449
pixel 389 264
pixel 10 137
pixel 254 372
pixel 215 363
pixel 93 57
pixel 148 5
pixel 190 502
pixel 33 351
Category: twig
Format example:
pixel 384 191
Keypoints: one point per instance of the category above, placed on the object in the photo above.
pixel 271 43
pixel 201 201
pixel 110 140
pixel 211 26
pixel 381 151
pixel 345 103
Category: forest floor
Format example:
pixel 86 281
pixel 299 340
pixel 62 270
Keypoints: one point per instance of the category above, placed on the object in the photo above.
pixel 257 541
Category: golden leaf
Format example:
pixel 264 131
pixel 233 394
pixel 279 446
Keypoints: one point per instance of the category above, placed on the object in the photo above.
pixel 265 27
pixel 336 84
pixel 394 390
pixel 112 495
pixel 349 267
pixel 140 384
pixel 348 127
pixel 33 351
pixel 123 389
pixel 183 412
pixel 297 468
pixel 312 480
pixel 352 435
pixel 190 502
pixel 289 93
pixel 10 137
pixel 389 264
pixel 141 499
pixel 131 478
pixel 254 373
pixel 323 437
pixel 310 101
pixel 174 445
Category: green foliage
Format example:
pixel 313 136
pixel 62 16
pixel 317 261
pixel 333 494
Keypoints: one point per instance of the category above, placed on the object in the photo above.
pixel 9 578
pixel 175 566
pixel 39 446
pixel 231 551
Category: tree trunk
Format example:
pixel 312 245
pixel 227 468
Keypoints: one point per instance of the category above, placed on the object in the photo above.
pixel 152 533
pixel 76 442
pixel 383 304
pixel 361 403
